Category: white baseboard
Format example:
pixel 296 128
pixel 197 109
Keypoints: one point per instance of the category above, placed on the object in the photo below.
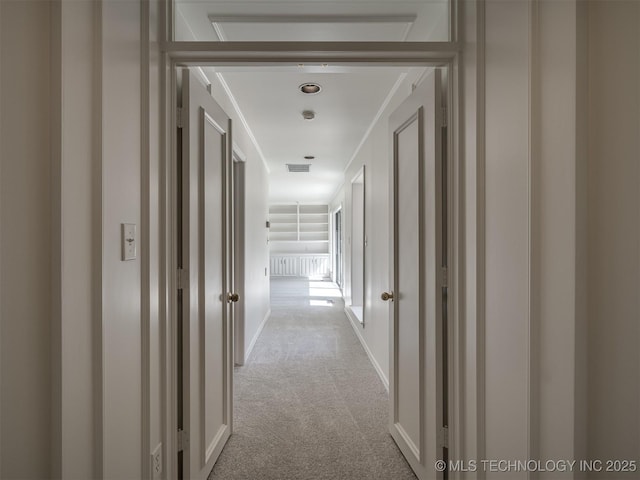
pixel 355 324
pixel 255 337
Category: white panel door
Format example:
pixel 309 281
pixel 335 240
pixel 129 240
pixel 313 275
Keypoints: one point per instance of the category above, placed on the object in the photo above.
pixel 415 371
pixel 207 298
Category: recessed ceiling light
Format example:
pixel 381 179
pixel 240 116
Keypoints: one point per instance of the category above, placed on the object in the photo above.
pixel 309 157
pixel 310 88
pixel 308 115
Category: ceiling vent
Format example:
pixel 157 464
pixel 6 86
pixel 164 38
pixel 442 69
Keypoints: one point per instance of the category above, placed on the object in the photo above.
pixel 298 167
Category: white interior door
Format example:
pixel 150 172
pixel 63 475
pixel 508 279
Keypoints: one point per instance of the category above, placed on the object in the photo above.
pixel 416 420
pixel 207 298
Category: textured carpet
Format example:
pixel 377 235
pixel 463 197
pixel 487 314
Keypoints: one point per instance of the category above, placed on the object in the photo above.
pixel 308 403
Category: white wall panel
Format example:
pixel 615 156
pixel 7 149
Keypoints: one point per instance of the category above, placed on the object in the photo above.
pixel 25 240
pixel 374 153
pixel 507 230
pixel 256 288
pixel 121 150
pixel 614 231
pixel 77 206
pixel 557 380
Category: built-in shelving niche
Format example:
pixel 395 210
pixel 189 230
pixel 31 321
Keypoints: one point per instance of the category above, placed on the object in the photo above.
pixel 299 239
pixel 299 228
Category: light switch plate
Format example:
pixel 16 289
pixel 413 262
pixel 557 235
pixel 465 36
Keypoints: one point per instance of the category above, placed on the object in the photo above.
pixel 128 241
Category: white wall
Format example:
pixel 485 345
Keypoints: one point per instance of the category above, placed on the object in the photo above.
pixel 256 298
pixel 25 240
pixel 614 231
pixel 532 288
pixel 374 154
pixel 507 230
pixel 71 171
pixel 256 251
pixel 75 210
pixel 121 196
pixel 561 207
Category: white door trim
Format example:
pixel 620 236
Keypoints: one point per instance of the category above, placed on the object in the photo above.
pixel 464 417
pixel 239 341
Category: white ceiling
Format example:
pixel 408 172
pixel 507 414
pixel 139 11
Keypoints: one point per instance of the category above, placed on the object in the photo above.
pixel 269 99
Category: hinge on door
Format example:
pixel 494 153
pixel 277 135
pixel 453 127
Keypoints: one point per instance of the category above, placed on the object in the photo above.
pixel 444 116
pixel 181 278
pixel 443 437
pixel 179 117
pixel 183 440
pixel 445 277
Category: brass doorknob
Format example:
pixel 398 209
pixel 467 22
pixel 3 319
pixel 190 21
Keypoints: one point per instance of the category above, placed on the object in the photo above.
pixel 233 297
pixel 386 296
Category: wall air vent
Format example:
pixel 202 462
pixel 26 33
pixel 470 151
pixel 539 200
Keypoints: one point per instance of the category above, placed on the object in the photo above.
pixel 298 167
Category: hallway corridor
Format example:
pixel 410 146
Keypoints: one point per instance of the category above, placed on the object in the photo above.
pixel 308 403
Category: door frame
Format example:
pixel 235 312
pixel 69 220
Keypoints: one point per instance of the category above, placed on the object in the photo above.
pixel 362 172
pixel 192 54
pixel 239 162
pixel 337 242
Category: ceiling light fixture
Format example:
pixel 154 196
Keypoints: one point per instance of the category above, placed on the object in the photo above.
pixel 310 88
pixel 308 115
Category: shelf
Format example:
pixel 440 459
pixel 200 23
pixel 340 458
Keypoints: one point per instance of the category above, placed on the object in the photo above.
pixel 314 209
pixel 313 228
pixel 283 236
pixel 283 209
pixel 294 226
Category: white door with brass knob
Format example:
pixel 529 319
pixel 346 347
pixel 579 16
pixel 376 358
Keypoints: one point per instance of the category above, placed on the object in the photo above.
pixel 205 376
pixel 415 298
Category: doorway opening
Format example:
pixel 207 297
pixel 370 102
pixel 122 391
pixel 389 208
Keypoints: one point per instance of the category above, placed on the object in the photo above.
pixel 358 241
pixel 304 239
pixel 239 255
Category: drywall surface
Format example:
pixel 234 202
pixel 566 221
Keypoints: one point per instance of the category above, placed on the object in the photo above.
pixel 374 155
pixel 256 287
pixel 614 232
pixel 558 375
pixel 534 348
pixel 256 250
pixel 25 240
pixel 121 294
pixel 507 230
pixel 76 207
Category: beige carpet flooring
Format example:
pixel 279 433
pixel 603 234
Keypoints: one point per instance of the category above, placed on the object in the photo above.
pixel 308 403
